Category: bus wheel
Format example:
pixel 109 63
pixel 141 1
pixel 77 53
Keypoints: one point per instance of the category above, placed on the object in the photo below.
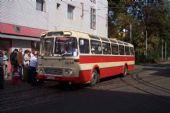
pixel 95 78
pixel 125 71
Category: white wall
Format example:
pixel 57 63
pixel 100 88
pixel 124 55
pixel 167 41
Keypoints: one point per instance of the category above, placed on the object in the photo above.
pixel 102 18
pixel 24 13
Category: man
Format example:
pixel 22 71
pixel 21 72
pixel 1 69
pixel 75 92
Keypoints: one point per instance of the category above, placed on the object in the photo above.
pixel 32 68
pixel 20 63
pixel 1 71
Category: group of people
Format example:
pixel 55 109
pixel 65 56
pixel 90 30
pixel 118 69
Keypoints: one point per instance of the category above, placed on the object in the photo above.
pixel 22 65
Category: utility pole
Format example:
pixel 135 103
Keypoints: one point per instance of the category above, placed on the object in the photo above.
pixel 146 44
pixel 130 33
pixel 162 50
pixel 165 51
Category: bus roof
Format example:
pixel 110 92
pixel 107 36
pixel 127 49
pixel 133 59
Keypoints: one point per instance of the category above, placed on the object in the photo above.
pixel 85 35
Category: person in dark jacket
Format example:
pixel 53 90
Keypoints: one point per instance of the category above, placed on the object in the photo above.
pixel 1 71
pixel 14 62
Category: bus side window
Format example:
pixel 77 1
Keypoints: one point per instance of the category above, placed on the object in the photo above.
pixel 84 45
pixel 106 48
pixel 127 50
pixel 96 47
pixel 115 49
pixel 131 51
pixel 121 49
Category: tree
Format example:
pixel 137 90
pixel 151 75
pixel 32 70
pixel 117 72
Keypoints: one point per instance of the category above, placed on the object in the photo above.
pixel 151 17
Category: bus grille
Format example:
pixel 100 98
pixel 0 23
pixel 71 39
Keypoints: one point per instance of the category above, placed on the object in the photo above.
pixel 55 71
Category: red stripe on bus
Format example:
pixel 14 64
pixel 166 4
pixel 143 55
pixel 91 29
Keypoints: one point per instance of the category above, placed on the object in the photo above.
pixel 99 59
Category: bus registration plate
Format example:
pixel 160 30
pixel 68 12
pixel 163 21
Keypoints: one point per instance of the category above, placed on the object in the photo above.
pixel 51 77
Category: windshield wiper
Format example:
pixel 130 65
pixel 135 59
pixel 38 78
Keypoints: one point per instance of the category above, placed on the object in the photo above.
pixel 66 54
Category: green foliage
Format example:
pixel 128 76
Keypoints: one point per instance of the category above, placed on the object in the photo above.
pixel 153 57
pixel 155 21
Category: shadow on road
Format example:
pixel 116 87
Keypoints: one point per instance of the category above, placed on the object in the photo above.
pixel 159 69
pixel 55 98
pixel 67 87
pixel 85 100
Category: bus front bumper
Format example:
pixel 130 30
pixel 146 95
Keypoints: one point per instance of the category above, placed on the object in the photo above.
pixel 74 79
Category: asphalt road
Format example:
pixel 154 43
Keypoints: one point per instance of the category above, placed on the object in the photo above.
pixel 147 90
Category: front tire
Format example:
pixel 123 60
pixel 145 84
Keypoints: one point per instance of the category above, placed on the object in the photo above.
pixel 95 78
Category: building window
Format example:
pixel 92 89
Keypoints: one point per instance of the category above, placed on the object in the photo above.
pixel 70 12
pixel 17 29
pixel 58 5
pixel 94 1
pixel 40 5
pixel 93 18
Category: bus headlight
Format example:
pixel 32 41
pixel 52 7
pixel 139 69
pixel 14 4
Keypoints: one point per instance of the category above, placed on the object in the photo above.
pixel 68 71
pixel 40 71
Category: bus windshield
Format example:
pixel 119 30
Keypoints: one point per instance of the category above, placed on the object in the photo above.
pixel 66 46
pixel 47 46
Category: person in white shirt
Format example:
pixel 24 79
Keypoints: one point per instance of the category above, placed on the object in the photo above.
pixel 5 67
pixel 26 61
pixel 32 68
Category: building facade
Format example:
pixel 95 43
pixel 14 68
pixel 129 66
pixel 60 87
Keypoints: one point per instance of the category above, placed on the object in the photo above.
pixel 23 21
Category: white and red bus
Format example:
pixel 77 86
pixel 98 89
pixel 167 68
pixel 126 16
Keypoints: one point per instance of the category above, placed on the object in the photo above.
pixel 78 57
